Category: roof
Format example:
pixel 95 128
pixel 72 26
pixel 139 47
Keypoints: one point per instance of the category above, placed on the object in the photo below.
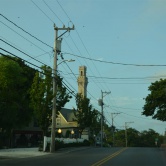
pixel 68 114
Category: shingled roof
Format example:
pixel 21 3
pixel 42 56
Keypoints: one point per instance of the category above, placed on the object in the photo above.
pixel 68 114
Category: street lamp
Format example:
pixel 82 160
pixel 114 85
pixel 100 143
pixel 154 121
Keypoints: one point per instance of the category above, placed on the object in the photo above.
pixel 70 60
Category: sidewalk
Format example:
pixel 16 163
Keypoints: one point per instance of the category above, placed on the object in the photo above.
pixel 21 153
pixel 32 152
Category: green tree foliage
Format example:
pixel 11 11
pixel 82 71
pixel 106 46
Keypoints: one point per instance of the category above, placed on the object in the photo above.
pixel 147 138
pixel 42 97
pixel 155 102
pixel 15 81
pixel 135 138
pixel 86 116
pixel 119 138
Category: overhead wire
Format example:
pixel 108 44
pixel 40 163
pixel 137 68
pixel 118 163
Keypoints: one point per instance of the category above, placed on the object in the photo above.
pixel 23 37
pixel 22 52
pixel 53 11
pixel 42 11
pixel 25 31
pixel 115 63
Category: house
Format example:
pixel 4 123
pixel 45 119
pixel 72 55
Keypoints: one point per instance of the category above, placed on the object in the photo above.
pixel 65 124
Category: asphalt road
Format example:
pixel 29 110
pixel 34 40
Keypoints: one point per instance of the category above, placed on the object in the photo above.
pixel 95 157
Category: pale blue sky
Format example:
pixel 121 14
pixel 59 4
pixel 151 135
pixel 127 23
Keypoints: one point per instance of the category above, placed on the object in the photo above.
pixel 119 31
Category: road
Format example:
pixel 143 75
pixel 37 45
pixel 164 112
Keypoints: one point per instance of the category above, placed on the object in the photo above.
pixel 95 157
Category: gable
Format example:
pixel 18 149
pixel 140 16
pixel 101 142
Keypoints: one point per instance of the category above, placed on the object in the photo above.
pixel 68 114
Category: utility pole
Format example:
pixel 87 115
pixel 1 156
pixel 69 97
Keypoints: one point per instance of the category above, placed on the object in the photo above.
pixel 101 103
pixel 126 132
pixel 57 44
pixel 112 116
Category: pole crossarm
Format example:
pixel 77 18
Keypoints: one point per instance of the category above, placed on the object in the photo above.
pixel 68 29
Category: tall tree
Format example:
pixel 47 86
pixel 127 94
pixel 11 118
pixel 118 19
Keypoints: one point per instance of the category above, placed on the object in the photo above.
pixel 155 102
pixel 42 96
pixel 86 116
pixel 14 93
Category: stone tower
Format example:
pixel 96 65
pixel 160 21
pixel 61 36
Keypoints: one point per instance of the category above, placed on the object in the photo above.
pixel 82 81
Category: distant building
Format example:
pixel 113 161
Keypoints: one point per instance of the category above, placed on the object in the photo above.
pixel 82 81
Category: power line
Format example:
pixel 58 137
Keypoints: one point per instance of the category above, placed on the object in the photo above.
pixel 42 11
pixel 22 52
pixel 25 31
pixel 23 37
pixel 114 63
pixel 64 11
pixel 118 63
pixel 17 57
pixel 126 78
pixel 53 12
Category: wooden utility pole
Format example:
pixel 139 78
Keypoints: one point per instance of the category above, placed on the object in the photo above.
pixel 57 44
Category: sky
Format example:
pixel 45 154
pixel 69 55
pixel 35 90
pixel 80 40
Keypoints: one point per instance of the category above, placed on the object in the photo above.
pixel 117 40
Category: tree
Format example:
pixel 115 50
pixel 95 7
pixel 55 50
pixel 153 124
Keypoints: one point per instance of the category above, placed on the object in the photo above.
pixel 133 137
pixel 86 116
pixel 155 102
pixel 15 81
pixel 42 96
pixel 148 138
pixel 119 138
